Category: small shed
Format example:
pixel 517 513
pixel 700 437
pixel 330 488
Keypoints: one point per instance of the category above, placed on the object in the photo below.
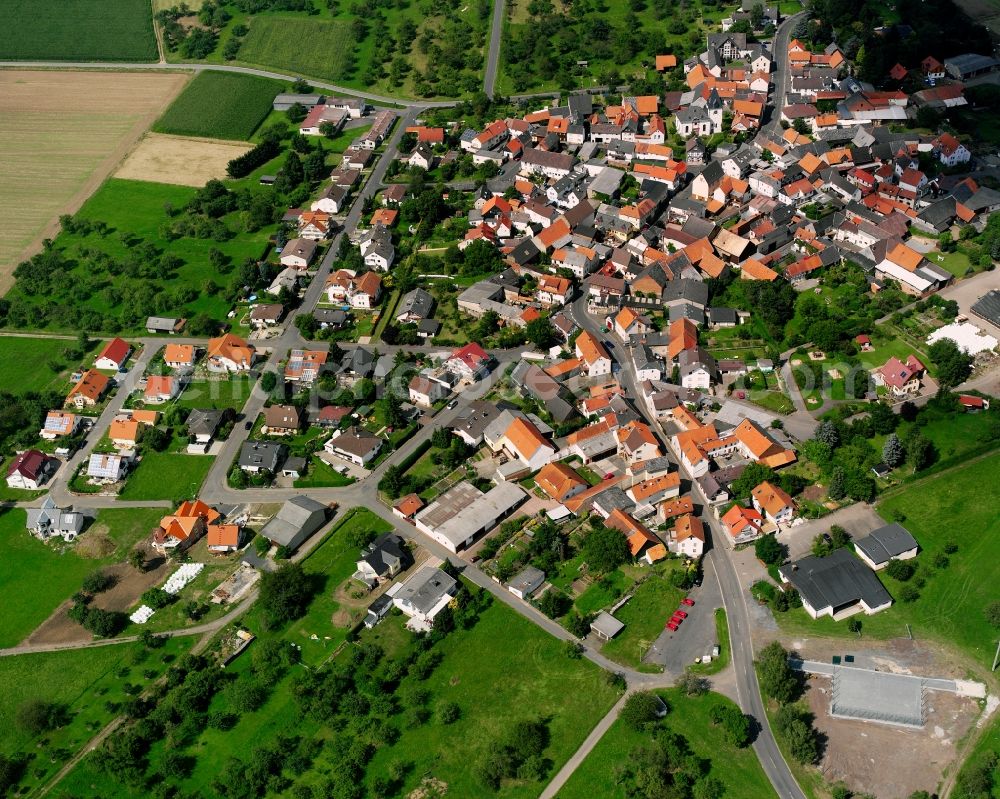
pixel 526 582
pixel 606 626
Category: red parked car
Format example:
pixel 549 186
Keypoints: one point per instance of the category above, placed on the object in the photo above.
pixel 681 613
pixel 687 601
pixel 672 627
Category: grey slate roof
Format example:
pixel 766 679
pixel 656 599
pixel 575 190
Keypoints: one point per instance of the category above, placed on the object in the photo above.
pixel 988 307
pixel 261 455
pixel 836 581
pixel 298 515
pixel 426 588
pixel 385 553
pixel 416 303
pixel 886 543
pixel 204 422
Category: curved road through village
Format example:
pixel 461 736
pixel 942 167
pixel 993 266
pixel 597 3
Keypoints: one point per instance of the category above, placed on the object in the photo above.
pixel 364 493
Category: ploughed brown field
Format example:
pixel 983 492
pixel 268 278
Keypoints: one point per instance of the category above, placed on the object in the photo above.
pixel 61 134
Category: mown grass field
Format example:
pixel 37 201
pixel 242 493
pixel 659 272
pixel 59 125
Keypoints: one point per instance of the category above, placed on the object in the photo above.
pixel 62 132
pixel 35 578
pixel 85 681
pixel 958 505
pixel 737 769
pixel 219 105
pixel 166 475
pixel 25 363
pixel 77 30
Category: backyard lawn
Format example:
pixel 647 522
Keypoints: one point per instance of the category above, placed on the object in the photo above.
pixel 333 562
pixel 947 507
pixel 738 769
pixel 644 616
pixel 35 578
pixel 322 475
pixel 217 394
pixel 167 475
pixel 85 681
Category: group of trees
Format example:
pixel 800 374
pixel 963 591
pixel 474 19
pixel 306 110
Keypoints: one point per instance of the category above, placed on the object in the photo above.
pixel 193 40
pixel 793 724
pixel 552 45
pixel 100 622
pixel 285 594
pixel 518 754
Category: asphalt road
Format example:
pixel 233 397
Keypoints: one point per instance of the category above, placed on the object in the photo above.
pixel 493 53
pixel 733 594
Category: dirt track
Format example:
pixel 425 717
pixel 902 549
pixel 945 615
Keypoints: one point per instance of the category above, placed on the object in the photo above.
pixel 63 133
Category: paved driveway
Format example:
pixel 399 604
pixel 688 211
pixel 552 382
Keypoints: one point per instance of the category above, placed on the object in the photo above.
pixel 675 651
pixel 858 519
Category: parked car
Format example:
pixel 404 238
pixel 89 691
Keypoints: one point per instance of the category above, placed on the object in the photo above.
pixel 452 404
pixel 680 613
pixel 687 601
pixel 248 425
pixel 672 626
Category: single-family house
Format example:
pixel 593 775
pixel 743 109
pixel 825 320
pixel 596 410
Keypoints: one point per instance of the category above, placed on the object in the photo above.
pixel 261 456
pixel 742 524
pixel 229 353
pixel 88 390
pixel 298 253
pixel 559 481
pixel 900 378
pixel 355 444
pixel 59 424
pixel 282 420
pixel 114 355
pixel 471 362
pixel 107 468
pixel 688 536
pixel 776 505
pixel 180 356
pixel 161 388
pixel 50 520
pixel 423 596
pixel 595 358
pixel 383 559
pixel 30 470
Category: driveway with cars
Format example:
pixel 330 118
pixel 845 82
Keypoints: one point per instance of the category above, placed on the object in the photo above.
pixel 695 636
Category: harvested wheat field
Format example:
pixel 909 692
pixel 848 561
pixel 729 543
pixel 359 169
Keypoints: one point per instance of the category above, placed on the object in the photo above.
pixel 180 160
pixel 61 134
